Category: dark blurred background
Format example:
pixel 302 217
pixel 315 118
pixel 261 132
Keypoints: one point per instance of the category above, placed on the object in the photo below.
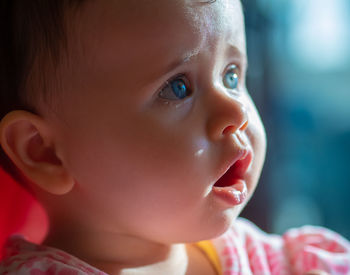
pixel 299 78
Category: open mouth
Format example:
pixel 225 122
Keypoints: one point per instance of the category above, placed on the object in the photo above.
pixel 236 171
pixel 227 179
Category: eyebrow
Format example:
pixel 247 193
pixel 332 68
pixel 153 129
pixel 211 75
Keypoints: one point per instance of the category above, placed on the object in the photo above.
pixel 184 59
pixel 231 50
pixel 202 2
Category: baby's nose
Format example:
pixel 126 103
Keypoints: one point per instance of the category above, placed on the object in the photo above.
pixel 228 114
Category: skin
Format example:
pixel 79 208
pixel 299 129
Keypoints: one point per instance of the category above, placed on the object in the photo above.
pixel 131 173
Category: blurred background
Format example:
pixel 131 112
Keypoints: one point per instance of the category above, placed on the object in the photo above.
pixel 299 77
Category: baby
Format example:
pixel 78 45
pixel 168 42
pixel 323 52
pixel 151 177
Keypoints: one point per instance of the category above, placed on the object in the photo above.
pixel 130 122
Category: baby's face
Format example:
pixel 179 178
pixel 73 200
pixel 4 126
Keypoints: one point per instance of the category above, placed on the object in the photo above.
pixel 153 117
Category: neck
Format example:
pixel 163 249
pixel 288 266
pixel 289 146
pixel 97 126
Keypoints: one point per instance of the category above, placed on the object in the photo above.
pixel 121 254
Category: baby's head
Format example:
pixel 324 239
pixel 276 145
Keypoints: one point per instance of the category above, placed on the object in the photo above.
pixel 133 111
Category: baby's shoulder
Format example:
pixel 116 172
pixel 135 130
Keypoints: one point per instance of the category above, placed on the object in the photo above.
pixel 23 257
pixel 246 247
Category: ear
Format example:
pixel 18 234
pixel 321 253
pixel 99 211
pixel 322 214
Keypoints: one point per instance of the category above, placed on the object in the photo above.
pixel 29 142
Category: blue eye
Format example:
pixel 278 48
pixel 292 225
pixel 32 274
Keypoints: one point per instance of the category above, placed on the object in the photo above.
pixel 175 89
pixel 231 78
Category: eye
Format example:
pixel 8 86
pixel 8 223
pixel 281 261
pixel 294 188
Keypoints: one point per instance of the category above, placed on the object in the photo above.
pixel 231 78
pixel 175 89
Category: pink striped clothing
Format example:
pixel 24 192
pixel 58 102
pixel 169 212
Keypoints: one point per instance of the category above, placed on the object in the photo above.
pixel 243 249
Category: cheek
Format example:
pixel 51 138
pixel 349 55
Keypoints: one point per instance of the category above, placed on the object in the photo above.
pixel 143 163
pixel 255 130
pixel 257 138
pixel 152 175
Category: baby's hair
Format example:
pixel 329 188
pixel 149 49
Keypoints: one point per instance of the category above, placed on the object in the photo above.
pixel 33 40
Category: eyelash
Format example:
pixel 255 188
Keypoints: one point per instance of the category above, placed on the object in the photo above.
pixel 186 81
pixel 181 77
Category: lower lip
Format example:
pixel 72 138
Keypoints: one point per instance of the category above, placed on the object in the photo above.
pixel 234 194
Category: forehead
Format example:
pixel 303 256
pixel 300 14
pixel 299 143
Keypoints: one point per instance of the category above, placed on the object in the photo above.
pixel 126 33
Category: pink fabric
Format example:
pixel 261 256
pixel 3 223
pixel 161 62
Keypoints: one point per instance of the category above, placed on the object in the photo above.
pixel 243 249
pixel 23 257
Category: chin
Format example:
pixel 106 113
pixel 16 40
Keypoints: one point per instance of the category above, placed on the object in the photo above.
pixel 220 224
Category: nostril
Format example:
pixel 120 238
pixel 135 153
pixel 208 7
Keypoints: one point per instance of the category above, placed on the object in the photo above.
pixel 228 130
pixel 231 129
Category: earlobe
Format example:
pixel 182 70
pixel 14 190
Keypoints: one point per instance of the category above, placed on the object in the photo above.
pixel 29 143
